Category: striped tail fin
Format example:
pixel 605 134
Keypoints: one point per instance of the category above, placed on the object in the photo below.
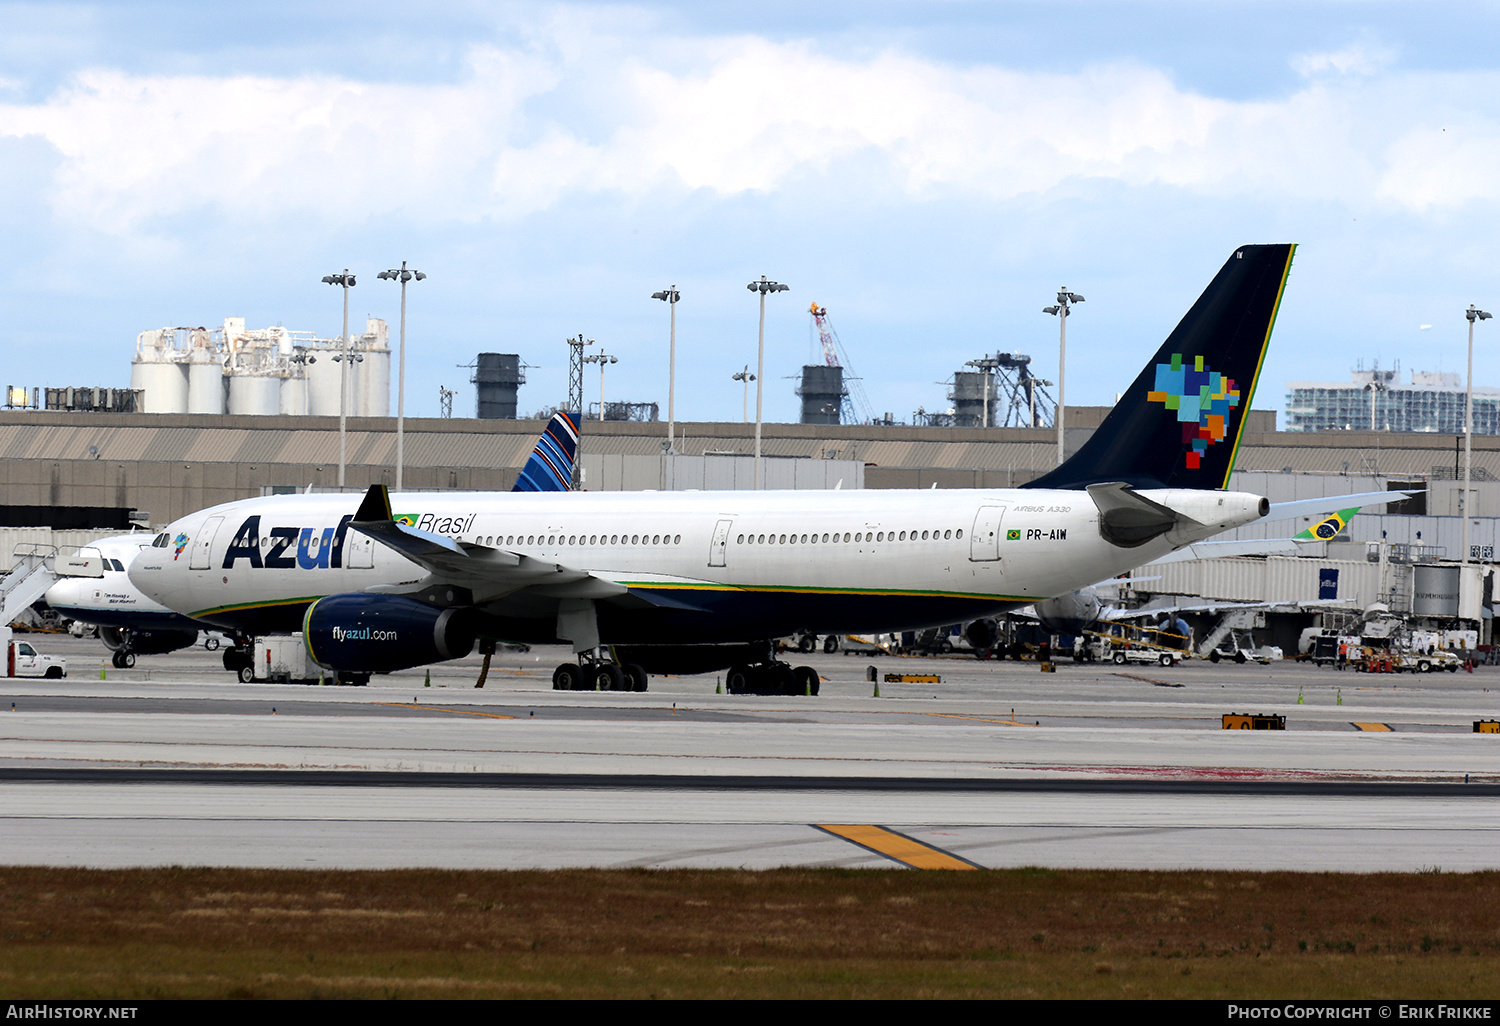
pixel 550 468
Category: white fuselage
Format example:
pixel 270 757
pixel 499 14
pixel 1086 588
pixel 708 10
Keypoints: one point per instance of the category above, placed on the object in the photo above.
pixel 111 599
pixel 855 560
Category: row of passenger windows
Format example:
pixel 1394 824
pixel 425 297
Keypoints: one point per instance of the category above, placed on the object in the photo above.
pixel 580 539
pixel 865 536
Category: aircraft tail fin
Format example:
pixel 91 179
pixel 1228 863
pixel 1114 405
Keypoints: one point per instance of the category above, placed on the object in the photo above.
pixel 550 468
pixel 1179 424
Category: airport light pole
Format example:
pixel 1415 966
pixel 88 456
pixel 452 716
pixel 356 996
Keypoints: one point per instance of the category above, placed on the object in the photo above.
pixel 746 377
pixel 601 358
pixel 1372 388
pixel 670 296
pixel 762 286
pixel 403 276
pixel 1065 301
pixel 346 280
pixel 1471 314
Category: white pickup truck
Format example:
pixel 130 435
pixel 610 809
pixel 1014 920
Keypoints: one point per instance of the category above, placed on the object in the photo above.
pixel 23 660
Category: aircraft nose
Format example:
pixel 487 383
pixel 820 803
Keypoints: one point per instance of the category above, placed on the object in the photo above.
pixel 147 571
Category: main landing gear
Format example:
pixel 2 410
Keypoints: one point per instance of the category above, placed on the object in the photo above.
pixel 772 678
pixel 593 673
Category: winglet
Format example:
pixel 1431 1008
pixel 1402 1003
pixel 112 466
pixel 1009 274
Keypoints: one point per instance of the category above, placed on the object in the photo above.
pixel 376 507
pixel 1329 527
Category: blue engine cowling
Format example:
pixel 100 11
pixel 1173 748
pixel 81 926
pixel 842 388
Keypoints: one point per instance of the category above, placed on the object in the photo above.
pixel 359 633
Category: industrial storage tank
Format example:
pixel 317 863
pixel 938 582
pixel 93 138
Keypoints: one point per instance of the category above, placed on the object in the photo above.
pixel 497 377
pixel 294 394
pixel 372 392
pixel 822 393
pixel 159 373
pixel 256 395
pixel 323 380
pixel 205 379
pixel 974 397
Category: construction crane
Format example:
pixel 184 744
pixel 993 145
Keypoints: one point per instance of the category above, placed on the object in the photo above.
pixel 856 406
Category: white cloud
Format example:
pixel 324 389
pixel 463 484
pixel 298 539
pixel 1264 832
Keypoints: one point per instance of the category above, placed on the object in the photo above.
pixel 1363 58
pixel 516 134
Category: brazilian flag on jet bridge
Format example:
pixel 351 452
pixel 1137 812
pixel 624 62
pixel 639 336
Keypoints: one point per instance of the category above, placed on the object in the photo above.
pixel 550 468
pixel 1179 425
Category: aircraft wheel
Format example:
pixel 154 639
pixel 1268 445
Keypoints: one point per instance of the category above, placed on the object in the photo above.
pixel 782 680
pixel 806 680
pixel 117 660
pixel 738 679
pixel 636 677
pixel 128 659
pixel 609 677
pixel 1119 658
pixel 247 674
pixel 831 644
pixel 211 643
pixel 567 677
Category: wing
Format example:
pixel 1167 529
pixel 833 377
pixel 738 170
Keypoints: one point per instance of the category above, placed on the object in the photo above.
pixel 484 574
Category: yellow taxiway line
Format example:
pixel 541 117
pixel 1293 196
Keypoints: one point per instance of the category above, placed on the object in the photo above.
pixel 897 847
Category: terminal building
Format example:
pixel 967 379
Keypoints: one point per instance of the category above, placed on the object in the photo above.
pixel 1377 400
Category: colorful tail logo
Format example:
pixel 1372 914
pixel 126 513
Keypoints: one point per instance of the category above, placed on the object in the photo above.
pixel 1203 400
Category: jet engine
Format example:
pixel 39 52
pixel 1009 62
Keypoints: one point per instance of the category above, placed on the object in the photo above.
pixel 360 633
pixel 1072 613
pixel 145 641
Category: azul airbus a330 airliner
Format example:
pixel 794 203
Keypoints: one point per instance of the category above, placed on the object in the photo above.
pixel 641 582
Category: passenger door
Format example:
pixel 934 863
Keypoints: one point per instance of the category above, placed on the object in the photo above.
pixel 984 539
pixel 203 544
pixel 716 550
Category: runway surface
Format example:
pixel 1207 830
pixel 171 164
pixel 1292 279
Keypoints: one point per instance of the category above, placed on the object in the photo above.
pixel 174 762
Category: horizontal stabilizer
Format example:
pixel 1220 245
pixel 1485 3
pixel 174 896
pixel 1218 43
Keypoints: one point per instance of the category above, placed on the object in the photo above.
pixel 1334 503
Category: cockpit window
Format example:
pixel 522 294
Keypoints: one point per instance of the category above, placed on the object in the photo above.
pixel 160 542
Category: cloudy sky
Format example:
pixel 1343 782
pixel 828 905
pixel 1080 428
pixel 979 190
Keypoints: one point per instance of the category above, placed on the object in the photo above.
pixel 930 172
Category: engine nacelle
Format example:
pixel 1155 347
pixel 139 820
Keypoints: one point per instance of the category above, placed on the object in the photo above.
pixel 1072 613
pixel 145 641
pixel 359 633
